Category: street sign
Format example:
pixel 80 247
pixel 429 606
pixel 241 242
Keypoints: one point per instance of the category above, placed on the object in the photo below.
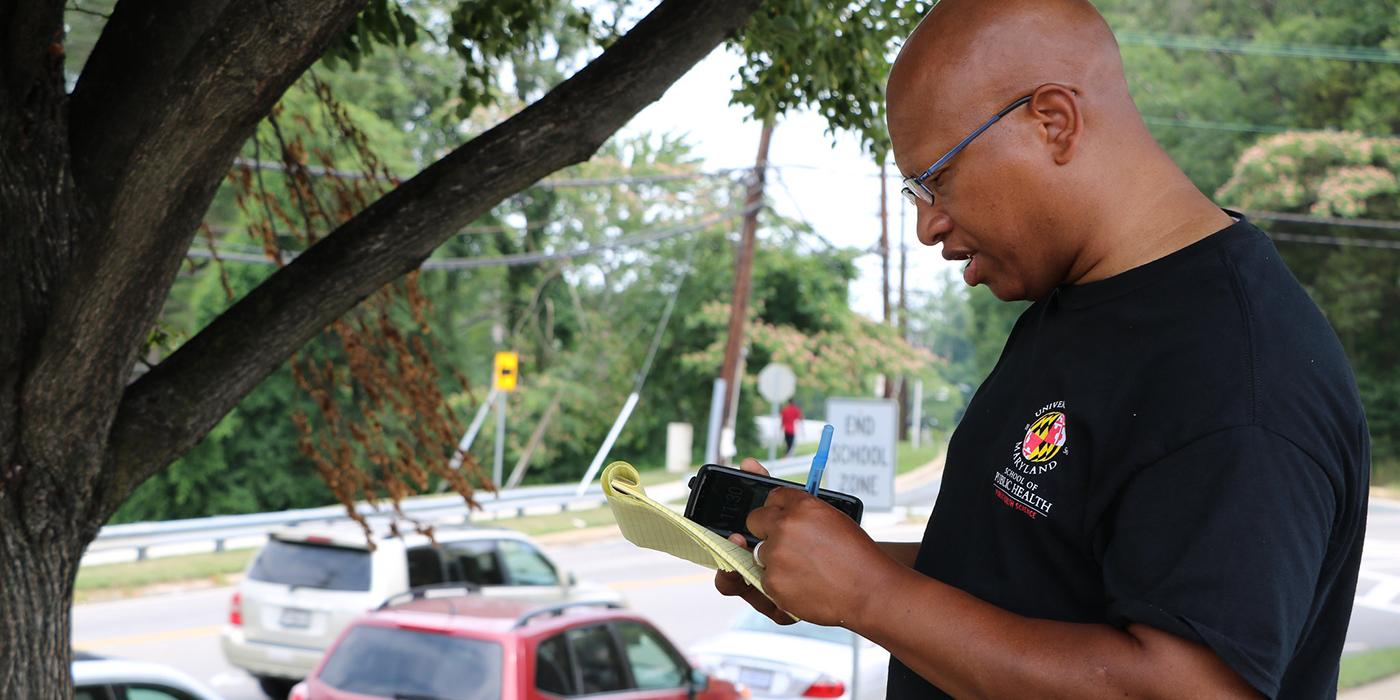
pixel 776 382
pixel 507 370
pixel 862 457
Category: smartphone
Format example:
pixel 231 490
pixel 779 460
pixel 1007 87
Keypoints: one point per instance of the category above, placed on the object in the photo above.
pixel 721 499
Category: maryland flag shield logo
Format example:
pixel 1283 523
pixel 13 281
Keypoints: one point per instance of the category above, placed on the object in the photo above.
pixel 1045 438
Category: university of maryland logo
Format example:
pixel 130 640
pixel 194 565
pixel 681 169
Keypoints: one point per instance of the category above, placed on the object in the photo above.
pixel 1044 438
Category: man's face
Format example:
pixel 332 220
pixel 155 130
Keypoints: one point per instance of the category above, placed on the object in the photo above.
pixel 989 201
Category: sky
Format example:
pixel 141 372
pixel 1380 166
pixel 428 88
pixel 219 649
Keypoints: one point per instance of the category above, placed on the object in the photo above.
pixel 833 186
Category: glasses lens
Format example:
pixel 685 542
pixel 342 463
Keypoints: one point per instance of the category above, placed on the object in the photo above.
pixel 915 196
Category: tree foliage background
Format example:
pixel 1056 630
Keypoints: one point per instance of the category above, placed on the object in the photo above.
pixel 414 84
pixel 415 88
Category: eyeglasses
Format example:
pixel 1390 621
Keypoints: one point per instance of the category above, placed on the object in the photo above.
pixel 914 189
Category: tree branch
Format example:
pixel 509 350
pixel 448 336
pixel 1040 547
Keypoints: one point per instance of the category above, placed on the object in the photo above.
pixel 31 46
pixel 171 408
pixel 171 92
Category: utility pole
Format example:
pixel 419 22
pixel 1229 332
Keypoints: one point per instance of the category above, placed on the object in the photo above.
pixel 885 264
pixel 743 272
pixel 903 320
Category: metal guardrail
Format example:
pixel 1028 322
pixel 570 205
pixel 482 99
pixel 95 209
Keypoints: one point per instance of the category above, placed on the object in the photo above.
pixel 141 538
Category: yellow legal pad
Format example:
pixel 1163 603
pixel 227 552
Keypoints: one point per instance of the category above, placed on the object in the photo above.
pixel 647 523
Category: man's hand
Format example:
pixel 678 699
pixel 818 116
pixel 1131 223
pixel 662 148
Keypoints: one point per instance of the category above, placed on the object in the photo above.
pixel 817 561
pixel 814 558
pixel 730 583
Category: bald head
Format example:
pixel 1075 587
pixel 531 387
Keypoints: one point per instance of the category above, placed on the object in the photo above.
pixel 1068 187
pixel 969 58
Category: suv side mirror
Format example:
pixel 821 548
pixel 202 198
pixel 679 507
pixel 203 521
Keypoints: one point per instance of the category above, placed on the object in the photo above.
pixel 572 579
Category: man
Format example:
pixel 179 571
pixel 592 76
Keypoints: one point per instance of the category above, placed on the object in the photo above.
pixel 790 415
pixel 1160 490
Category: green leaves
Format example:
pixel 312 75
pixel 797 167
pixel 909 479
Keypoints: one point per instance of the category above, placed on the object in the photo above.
pixel 831 57
pixel 828 56
pixel 382 22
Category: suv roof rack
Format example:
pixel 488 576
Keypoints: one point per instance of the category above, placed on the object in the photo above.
pixel 560 608
pixel 421 592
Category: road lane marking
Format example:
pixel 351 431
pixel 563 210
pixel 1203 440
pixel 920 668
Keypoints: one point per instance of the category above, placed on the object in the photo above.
pixel 147 638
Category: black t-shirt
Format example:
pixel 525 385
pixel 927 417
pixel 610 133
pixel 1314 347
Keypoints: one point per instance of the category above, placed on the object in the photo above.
pixel 1182 446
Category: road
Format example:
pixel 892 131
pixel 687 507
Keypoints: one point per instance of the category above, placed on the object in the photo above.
pixel 1375 618
pixel 182 629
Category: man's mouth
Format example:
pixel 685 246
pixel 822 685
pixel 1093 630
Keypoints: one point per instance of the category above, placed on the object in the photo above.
pixel 970 272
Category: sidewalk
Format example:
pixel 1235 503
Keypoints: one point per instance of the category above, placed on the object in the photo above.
pixel 1383 689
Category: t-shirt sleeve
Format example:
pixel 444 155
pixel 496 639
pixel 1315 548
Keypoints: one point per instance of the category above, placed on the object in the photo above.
pixel 1222 542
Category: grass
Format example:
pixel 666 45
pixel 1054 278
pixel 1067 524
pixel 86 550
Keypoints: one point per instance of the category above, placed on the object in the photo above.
pixel 907 458
pixel 1367 666
pixel 557 522
pixel 128 577
pixel 1385 473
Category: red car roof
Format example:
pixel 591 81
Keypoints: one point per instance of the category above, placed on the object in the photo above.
pixel 495 618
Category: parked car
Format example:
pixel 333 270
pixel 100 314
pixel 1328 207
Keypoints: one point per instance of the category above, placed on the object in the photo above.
pixel 474 648
pixel 791 661
pixel 306 585
pixel 100 678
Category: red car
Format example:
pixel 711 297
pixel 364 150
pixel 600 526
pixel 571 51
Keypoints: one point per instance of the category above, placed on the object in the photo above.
pixel 420 646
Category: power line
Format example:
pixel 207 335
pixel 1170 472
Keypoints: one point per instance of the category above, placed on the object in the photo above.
pixel 520 258
pixel 1328 220
pixel 1211 44
pixel 1220 126
pixel 1249 128
pixel 548 183
pixel 625 242
pixel 1335 240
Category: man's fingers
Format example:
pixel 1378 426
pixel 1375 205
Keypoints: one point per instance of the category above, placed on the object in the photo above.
pixel 732 584
pixel 752 465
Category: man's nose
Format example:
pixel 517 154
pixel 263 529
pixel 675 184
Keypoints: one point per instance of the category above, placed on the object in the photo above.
pixel 931 222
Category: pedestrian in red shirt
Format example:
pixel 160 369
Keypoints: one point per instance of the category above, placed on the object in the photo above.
pixel 790 415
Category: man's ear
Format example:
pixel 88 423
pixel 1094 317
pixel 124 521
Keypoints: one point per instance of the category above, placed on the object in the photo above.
pixel 1057 109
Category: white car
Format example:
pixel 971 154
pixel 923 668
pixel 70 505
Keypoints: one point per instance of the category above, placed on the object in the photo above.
pixel 794 661
pixel 99 678
pixel 306 585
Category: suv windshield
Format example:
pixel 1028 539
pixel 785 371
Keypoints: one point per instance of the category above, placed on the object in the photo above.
pixel 301 564
pixel 391 662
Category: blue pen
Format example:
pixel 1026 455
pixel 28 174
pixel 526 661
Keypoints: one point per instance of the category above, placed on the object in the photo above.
pixel 814 475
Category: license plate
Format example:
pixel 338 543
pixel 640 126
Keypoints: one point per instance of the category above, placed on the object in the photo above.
pixel 755 678
pixel 296 617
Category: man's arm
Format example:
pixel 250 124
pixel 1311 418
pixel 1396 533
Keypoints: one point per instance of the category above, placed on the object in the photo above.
pixel 903 553
pixel 972 649
pixel 960 643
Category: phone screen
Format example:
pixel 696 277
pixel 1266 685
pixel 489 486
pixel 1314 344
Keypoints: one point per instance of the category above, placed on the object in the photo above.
pixel 722 498
pixel 726 500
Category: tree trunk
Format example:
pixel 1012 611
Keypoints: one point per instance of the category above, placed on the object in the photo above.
pixel 40 545
pixel 46 485
pixel 96 215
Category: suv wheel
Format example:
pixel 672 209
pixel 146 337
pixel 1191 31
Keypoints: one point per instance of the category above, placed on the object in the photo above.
pixel 275 688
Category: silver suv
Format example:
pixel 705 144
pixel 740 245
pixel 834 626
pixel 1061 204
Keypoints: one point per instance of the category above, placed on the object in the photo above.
pixel 306 585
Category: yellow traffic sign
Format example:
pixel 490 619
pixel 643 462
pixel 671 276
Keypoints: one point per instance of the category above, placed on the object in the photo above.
pixel 507 370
